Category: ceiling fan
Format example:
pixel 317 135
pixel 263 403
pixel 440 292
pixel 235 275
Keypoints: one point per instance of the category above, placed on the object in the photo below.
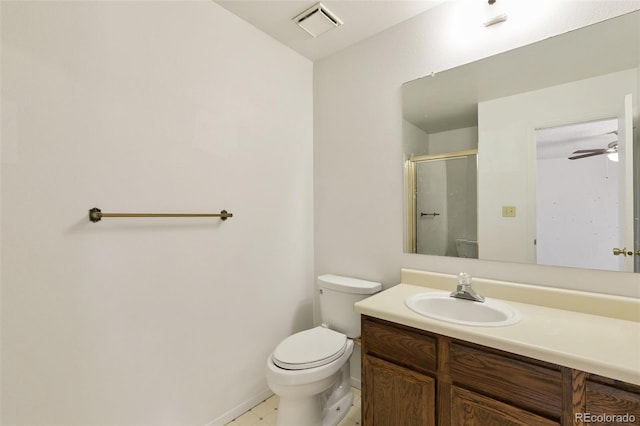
pixel 612 148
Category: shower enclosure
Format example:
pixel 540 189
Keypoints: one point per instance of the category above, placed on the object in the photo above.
pixel 442 207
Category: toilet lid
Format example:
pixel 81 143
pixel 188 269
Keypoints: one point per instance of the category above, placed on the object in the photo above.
pixel 310 348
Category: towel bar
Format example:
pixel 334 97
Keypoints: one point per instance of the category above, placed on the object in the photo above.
pixel 95 214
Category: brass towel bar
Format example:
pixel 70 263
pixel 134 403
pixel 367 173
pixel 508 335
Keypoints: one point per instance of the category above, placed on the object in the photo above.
pixel 95 214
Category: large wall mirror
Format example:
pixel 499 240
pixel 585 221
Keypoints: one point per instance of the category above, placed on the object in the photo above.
pixel 532 155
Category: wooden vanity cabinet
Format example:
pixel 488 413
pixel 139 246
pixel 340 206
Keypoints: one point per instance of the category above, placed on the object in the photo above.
pixel 399 367
pixel 399 396
pixel 413 377
pixel 607 397
pixel 474 409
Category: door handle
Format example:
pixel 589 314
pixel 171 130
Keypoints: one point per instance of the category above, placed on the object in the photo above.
pixel 624 252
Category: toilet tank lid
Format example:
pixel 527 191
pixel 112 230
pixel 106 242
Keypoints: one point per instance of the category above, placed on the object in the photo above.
pixel 348 285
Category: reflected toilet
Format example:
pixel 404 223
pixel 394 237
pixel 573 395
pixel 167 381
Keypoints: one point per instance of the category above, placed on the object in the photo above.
pixel 467 248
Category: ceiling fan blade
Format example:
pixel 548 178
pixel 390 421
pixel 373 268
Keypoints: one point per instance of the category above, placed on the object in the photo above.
pixel 591 154
pixel 583 151
pixel 611 148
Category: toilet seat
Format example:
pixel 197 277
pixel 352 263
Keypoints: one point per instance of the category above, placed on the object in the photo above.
pixel 310 348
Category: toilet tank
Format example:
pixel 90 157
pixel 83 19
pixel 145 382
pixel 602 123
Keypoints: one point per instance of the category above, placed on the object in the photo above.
pixel 337 296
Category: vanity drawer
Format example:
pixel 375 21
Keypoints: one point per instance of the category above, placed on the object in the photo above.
pixel 532 385
pixel 399 344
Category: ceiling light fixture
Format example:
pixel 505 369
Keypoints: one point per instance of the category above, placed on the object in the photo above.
pixel 317 20
pixel 500 17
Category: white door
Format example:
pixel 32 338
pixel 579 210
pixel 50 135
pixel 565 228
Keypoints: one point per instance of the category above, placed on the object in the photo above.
pixel 625 159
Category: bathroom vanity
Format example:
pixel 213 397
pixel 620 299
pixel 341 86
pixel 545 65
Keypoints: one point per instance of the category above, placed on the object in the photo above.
pixel 555 367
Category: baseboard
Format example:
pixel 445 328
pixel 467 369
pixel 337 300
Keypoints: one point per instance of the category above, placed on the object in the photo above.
pixel 240 409
pixel 356 383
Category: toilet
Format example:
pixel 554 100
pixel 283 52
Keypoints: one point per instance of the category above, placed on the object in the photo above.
pixel 310 370
pixel 467 248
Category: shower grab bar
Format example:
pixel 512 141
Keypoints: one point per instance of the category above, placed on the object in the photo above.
pixel 434 214
pixel 95 214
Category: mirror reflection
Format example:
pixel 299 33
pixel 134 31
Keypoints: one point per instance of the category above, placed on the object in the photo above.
pixel 547 121
pixel 567 234
pixel 445 206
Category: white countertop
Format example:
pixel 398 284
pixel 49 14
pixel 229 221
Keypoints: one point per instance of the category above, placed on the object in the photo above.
pixel 596 344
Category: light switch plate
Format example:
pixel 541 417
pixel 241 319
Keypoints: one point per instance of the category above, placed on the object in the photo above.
pixel 508 211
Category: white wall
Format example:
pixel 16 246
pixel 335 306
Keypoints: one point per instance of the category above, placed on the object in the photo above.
pixel 358 139
pixel 453 140
pixel 415 139
pixel 148 107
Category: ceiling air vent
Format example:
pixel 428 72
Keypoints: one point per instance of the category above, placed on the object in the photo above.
pixel 317 20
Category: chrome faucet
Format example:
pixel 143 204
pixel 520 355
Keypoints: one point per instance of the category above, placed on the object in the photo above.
pixel 464 290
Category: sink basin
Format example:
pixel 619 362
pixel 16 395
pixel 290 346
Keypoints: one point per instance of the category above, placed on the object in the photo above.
pixel 442 306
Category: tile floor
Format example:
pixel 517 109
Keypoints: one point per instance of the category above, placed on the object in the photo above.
pixel 265 413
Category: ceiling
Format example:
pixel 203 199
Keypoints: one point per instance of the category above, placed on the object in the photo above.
pixel 361 19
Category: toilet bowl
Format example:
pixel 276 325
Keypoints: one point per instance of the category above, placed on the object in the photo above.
pixel 310 370
pixel 318 394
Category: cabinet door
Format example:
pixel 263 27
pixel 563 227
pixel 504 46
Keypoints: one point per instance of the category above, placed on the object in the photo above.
pixel 472 409
pixel 611 404
pixel 394 395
